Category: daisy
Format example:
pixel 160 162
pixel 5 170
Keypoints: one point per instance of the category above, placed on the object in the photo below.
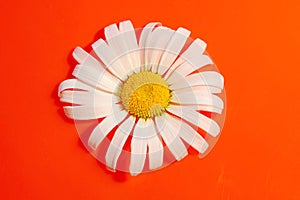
pixel 148 88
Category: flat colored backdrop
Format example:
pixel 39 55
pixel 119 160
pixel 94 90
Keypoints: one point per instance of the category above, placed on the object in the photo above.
pixel 256 45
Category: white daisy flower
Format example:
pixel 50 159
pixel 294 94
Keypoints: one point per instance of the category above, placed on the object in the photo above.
pixel 154 89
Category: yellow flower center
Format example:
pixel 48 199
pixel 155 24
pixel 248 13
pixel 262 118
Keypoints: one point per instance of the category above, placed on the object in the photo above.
pixel 145 94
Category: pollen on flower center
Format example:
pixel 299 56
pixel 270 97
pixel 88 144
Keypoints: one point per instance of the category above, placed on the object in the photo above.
pixel 145 94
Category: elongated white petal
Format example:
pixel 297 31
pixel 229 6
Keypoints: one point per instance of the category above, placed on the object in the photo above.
pixel 210 89
pixel 105 126
pixel 192 64
pixel 91 98
pixel 115 148
pixel 115 40
pixel 207 78
pixel 76 97
pixel 195 50
pixel 92 72
pixel 173 49
pixel 73 84
pixel 91 65
pixel 87 112
pixel 155 152
pixel 127 29
pixel 118 42
pixel 138 155
pixel 87 59
pixel 193 138
pixel 143 130
pixel 189 135
pixel 169 130
pixel 155 46
pixel 146 31
pixel 110 59
pixel 133 50
pixel 196 96
pixel 200 108
pixel 101 80
pixel 197 119
pixel 145 134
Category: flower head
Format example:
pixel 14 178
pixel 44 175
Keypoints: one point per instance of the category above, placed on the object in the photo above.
pixel 148 88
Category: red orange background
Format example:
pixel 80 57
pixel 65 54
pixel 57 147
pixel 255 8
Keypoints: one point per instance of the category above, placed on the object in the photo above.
pixel 256 45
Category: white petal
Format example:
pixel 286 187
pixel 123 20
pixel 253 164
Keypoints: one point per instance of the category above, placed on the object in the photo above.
pixel 88 60
pixel 156 152
pixel 92 72
pixel 173 49
pixel 71 84
pixel 111 59
pixel 87 112
pixel 85 58
pixel 144 129
pixel 127 29
pixel 193 138
pixel 104 127
pixel 91 98
pixel 197 119
pixel 195 50
pixel 200 107
pixel 102 80
pixel 115 148
pixel 117 41
pixel 146 31
pixel 170 133
pixel 110 32
pixel 198 46
pixel 191 64
pixel 138 155
pixel 196 96
pixel 145 134
pixel 156 43
pixel 207 78
pixel 210 89
pixel 133 51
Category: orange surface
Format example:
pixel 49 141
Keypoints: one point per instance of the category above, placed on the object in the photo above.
pixel 256 45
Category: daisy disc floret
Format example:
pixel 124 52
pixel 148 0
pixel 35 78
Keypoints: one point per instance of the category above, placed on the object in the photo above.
pixel 145 94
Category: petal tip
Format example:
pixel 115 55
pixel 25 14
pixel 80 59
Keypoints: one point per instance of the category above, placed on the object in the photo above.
pixel 79 54
pixel 204 147
pixel 184 31
pixel 92 145
pixel 134 173
pixel 98 43
pixel 183 155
